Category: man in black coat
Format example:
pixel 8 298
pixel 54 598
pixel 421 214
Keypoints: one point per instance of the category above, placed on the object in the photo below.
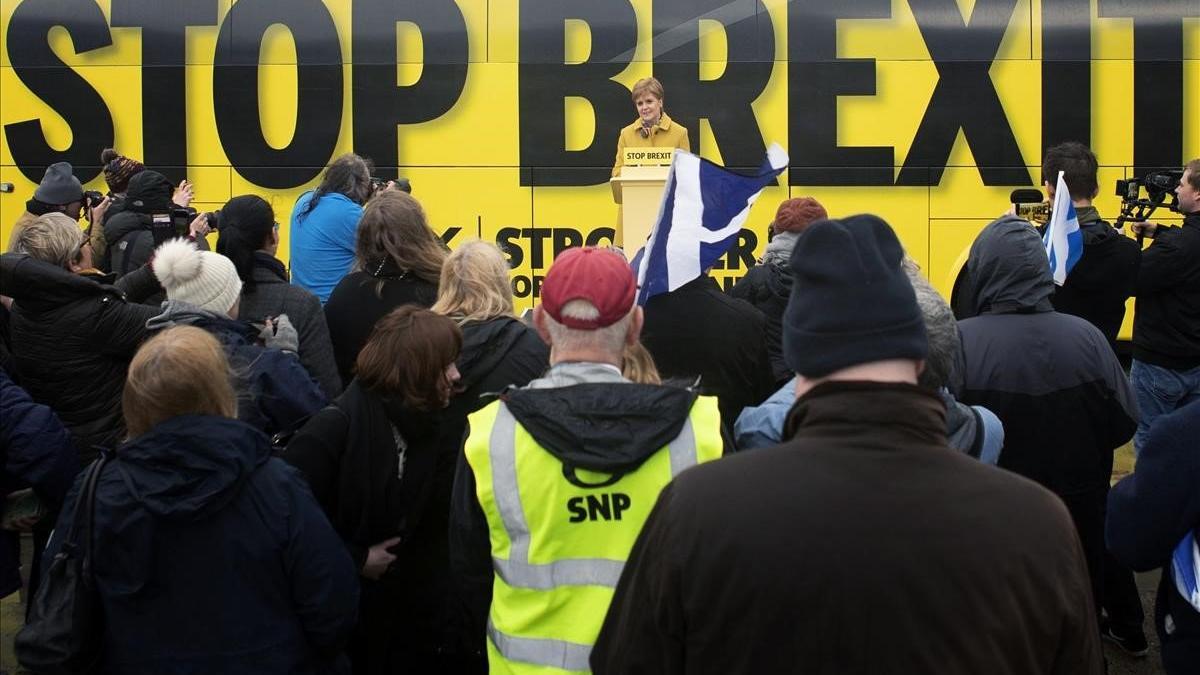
pixel 1166 327
pixel 698 331
pixel 1056 385
pixel 1098 286
pixel 864 544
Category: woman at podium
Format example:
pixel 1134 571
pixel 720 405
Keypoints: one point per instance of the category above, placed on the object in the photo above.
pixel 652 129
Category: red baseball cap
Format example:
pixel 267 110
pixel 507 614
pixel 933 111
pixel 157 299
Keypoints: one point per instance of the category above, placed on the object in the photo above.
pixel 596 275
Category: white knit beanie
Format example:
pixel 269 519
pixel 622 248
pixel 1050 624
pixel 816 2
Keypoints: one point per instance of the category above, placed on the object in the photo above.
pixel 202 278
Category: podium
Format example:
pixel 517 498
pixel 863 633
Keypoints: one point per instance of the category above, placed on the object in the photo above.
pixel 638 189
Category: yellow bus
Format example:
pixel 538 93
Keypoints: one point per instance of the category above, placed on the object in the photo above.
pixel 504 113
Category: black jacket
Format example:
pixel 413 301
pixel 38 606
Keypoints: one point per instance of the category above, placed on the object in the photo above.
pixel 496 354
pixel 361 299
pixel 1051 378
pixel 1149 512
pixel 768 286
pixel 1103 279
pixel 73 337
pixel 213 557
pixel 351 457
pixel 1166 324
pixel 863 545
pixel 696 330
pixel 272 296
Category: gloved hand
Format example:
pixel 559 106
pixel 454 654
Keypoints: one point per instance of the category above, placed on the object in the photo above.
pixel 281 334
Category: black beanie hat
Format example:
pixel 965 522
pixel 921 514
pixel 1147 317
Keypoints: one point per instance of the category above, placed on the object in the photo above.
pixel 851 301
pixel 149 192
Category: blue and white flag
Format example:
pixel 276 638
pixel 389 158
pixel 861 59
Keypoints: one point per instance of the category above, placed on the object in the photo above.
pixel 703 208
pixel 1063 238
pixel 1185 564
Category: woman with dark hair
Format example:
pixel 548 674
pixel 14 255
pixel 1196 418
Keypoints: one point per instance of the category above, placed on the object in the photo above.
pixel 249 236
pixel 323 224
pixel 397 261
pixel 373 462
pixel 209 555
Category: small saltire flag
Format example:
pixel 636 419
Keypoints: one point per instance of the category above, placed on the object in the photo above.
pixel 1185 564
pixel 703 208
pixel 1063 238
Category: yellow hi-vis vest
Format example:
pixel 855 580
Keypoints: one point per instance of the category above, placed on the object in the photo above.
pixel 558 549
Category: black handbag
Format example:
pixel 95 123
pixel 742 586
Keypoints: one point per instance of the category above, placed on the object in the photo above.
pixel 63 634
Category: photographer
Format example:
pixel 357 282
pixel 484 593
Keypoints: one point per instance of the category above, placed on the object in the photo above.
pixel 1166 324
pixel 118 171
pixel 60 192
pixel 324 222
pixel 149 218
pixel 1104 277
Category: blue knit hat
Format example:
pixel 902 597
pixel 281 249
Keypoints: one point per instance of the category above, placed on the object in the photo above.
pixel 851 301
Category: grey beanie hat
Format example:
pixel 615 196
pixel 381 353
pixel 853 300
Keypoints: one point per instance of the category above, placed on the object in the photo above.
pixel 59 185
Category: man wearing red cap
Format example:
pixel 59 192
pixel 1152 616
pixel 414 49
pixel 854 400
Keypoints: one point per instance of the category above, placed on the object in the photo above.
pixel 557 478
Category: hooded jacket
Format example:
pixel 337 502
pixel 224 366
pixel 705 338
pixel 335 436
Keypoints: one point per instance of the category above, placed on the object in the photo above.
pixel 1051 378
pixel 128 235
pixel 210 556
pixel 1103 279
pixel 1166 326
pixel 275 393
pixel 587 416
pixel 862 545
pixel 72 339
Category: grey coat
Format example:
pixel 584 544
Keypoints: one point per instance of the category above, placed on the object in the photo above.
pixel 272 296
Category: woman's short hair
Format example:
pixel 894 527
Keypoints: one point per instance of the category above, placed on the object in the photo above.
pixel 393 228
pixel 647 85
pixel 52 238
pixel 180 371
pixel 406 356
pixel 474 284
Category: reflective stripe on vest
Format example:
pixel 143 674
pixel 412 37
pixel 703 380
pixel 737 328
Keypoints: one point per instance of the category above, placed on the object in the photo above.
pixel 539 651
pixel 517 571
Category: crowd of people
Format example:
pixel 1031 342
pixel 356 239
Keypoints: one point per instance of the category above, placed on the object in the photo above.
pixel 368 463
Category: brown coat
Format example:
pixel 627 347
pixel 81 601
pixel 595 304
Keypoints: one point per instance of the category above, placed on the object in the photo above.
pixel 667 134
pixel 863 545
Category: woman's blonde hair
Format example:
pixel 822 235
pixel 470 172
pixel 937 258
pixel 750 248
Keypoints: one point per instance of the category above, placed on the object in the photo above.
pixel 180 371
pixel 393 228
pixel 52 238
pixel 647 85
pixel 474 284
pixel 637 365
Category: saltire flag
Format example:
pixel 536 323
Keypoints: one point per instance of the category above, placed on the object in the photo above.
pixel 1185 564
pixel 703 208
pixel 1063 238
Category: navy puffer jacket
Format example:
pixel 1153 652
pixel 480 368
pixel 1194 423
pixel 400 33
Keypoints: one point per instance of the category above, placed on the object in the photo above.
pixel 213 557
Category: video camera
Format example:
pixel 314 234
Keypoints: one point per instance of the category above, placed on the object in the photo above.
pixel 378 184
pixel 1159 186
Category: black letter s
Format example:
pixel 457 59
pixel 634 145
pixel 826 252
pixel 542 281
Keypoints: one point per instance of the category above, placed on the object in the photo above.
pixel 64 90
pixel 575 506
